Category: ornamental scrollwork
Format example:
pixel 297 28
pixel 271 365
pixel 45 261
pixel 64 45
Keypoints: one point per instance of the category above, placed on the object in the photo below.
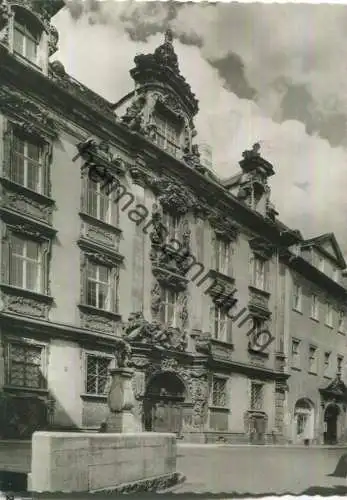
pixel 138 329
pixel 155 299
pixel 223 227
pixel 133 116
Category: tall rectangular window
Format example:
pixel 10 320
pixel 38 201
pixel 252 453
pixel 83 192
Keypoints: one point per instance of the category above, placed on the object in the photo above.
pixel 219 392
pixel 26 163
pixel 314 307
pixel 25 366
pixel 296 353
pixel 97 374
pixel 167 135
pixel 168 307
pixel 312 359
pixel 25 42
pixel 327 356
pixel 222 256
pixel 297 297
pixel 99 286
pixel 329 315
pixel 341 322
pixel 335 274
pixel 26 264
pixel 257 396
pixel 321 263
pixel 99 204
pixel 219 323
pixel 260 273
pixel 172 226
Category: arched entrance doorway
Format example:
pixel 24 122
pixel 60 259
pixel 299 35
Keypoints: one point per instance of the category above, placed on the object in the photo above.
pixel 303 421
pixel 163 400
pixel 330 424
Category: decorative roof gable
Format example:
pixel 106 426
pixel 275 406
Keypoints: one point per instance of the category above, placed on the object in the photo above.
pixel 328 245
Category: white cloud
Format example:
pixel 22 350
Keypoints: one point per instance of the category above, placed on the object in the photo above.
pixel 102 55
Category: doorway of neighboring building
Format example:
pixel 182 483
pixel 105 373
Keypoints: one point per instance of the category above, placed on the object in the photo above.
pixel 331 415
pixel 164 396
pixel 304 421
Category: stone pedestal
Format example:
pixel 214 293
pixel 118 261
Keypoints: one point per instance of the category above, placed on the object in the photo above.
pixel 121 402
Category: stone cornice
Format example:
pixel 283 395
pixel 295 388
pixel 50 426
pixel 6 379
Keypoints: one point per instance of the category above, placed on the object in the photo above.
pixel 28 326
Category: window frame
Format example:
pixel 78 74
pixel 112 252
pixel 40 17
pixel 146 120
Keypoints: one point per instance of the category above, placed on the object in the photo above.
pixel 213 403
pixel 97 356
pixel 339 364
pixel 10 341
pixel 297 297
pixel 165 305
pixel 219 320
pixel 314 307
pixel 95 192
pixel 26 34
pixel 296 356
pixel 313 369
pixel 261 284
pixel 329 315
pixel 172 225
pixel 110 292
pixel 222 255
pixel 261 385
pixel 168 134
pixel 327 363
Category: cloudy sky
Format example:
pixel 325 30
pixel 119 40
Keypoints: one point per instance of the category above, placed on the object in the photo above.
pixel 270 73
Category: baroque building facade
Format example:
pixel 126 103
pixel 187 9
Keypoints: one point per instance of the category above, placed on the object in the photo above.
pixel 113 229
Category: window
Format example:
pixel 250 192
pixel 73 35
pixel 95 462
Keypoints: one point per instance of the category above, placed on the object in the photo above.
pixel 98 286
pixel 297 297
pixel 296 353
pixel 26 268
pixel 320 263
pixel 172 225
pixel 26 163
pixel 314 307
pixel 25 362
pixel 222 256
pixel 339 364
pixel 341 322
pixel 168 307
pixel 25 42
pixel 219 392
pixel 97 375
pixel 219 323
pixel 99 204
pixel 167 136
pixel 257 396
pixel 329 315
pixel 312 359
pixel 260 273
pixel 327 356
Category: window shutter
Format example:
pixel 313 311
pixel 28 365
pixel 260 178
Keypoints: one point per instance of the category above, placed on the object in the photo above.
pixel 229 331
pixel 46 166
pixel 6 260
pixel 212 320
pixel 8 148
pixel 44 268
pixel 84 280
pixel 252 269
pixel 114 280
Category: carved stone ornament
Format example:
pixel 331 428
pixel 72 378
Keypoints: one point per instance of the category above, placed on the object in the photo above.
pixel 262 247
pixel 25 204
pixel 133 116
pixel 102 163
pixel 162 67
pixel 97 320
pixel 25 302
pixel 138 329
pixel 155 299
pixel 123 354
pixel 27 114
pixel 223 227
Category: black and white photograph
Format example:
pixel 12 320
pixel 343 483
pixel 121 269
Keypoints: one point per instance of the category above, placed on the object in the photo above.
pixel 173 249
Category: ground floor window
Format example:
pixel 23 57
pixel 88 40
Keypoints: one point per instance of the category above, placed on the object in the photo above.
pixel 303 420
pixel 96 376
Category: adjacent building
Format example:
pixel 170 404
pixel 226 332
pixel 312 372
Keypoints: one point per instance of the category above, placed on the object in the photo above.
pixel 114 226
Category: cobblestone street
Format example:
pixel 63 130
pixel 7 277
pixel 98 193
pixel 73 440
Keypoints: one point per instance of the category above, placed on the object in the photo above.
pixel 258 470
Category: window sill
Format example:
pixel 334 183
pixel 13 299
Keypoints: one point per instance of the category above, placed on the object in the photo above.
pixel 312 373
pixel 31 390
pixel 99 312
pixel 27 62
pixel 14 290
pixel 41 197
pixel 299 311
pixel 219 408
pixel 94 397
pixel 296 368
pixel 340 332
pixel 94 220
pixel 327 377
pixel 314 319
pixel 329 326
pixel 262 291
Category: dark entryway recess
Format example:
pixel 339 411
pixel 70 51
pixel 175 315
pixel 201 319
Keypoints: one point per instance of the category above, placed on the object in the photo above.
pixel 163 400
pixel 330 424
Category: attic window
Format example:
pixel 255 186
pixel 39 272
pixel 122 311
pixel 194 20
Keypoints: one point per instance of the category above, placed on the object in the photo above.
pixel 167 134
pixel 26 36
